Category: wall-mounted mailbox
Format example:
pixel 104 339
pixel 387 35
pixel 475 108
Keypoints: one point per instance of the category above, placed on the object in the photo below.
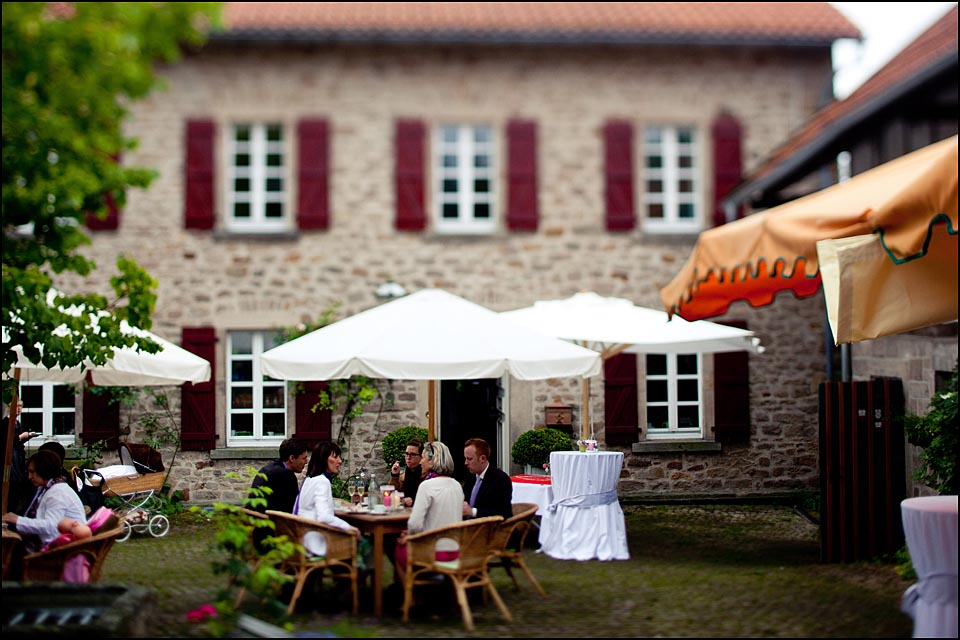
pixel 558 414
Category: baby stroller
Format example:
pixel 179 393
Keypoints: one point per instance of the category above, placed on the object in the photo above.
pixel 136 481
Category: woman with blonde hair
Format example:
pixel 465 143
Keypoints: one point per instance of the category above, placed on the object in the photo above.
pixel 439 502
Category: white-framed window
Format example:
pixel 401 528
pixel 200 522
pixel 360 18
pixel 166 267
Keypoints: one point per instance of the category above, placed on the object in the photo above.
pixel 257 404
pixel 674 407
pixel 464 179
pixel 671 180
pixel 257 194
pixel 50 409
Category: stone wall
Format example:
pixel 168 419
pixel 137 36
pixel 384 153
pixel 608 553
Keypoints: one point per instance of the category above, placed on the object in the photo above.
pixel 238 282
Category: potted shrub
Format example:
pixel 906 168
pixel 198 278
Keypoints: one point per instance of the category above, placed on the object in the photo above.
pixel 532 449
pixel 395 443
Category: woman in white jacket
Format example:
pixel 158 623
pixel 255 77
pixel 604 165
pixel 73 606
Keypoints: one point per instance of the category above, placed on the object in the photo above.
pixel 315 500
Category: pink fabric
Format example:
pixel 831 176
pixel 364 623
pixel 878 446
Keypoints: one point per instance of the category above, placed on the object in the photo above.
pixel 77 569
pixel 99 517
pixel 400 557
pixel 59 541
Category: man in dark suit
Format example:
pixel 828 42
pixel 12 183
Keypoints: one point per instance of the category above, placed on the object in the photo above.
pixel 494 495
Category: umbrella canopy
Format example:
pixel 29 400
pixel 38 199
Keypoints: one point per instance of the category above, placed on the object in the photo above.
pixel 907 206
pixel 427 335
pixel 611 325
pixel 614 325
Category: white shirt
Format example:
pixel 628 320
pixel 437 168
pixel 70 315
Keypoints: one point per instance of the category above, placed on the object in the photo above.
pixel 58 502
pixel 315 502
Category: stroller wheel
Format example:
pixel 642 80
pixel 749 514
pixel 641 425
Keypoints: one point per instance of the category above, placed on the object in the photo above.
pixel 159 525
pixel 127 530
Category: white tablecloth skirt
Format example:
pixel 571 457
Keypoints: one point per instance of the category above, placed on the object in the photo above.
pixel 584 533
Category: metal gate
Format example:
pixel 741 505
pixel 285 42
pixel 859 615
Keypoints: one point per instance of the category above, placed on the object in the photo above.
pixel 862 469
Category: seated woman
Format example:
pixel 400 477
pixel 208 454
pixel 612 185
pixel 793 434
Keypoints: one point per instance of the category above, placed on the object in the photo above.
pixel 53 501
pixel 315 500
pixel 439 503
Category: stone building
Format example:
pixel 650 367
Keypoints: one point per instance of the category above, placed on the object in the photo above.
pixel 313 152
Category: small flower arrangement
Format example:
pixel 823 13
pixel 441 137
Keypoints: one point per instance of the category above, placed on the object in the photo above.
pixel 546 467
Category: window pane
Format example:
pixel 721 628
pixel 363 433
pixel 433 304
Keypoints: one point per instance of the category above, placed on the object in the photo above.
pixel 658 418
pixel 684 162
pixel 687 364
pixel 481 210
pixel 655 211
pixel 688 417
pixel 242 133
pixel 687 390
pixel 651 136
pixel 274 133
pixel 450 185
pixel 31 396
pixel 63 397
pixel 481 134
pixel 274 209
pixel 241 342
pixel 448 134
pixel 654 186
pixel 274 160
pixel 274 184
pixel 686 211
pixel 654 162
pixel 686 186
pixel 241 424
pixel 242 398
pixel 684 136
pixel 450 210
pixel 242 371
pixel 656 364
pixel 242 160
pixel 273 397
pixel 273 424
pixel 449 160
pixel 64 423
pixel 656 390
pixel 241 210
pixel 481 186
pixel 272 339
pixel 241 184
pixel 481 160
pixel 31 422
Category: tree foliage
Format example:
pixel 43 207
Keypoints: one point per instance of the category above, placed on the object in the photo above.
pixel 70 71
pixel 939 435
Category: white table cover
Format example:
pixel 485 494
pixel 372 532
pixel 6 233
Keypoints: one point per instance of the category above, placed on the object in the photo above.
pixel 930 527
pixel 539 494
pixel 584 521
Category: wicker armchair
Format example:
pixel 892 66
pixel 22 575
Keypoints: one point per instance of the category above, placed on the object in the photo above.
pixel 508 543
pixel 47 566
pixel 469 571
pixel 341 557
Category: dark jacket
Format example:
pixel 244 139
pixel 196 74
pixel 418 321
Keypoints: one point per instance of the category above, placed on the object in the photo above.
pixel 284 484
pixel 495 496
pixel 410 482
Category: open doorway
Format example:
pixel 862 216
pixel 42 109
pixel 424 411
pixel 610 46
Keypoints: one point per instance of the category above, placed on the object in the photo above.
pixel 470 409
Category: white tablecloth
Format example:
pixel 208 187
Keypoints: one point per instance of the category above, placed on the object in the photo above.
pixel 930 527
pixel 539 494
pixel 584 521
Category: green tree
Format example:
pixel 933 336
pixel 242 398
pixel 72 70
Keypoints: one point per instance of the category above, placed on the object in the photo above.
pixel 70 71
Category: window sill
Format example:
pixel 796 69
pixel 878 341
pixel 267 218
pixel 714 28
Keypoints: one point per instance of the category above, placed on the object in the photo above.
pixel 254 236
pixel 244 453
pixel 676 446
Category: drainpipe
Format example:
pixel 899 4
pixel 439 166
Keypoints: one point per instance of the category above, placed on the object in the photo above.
pixel 844 163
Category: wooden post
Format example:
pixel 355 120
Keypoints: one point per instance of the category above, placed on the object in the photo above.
pixel 11 429
pixel 431 405
pixel 585 411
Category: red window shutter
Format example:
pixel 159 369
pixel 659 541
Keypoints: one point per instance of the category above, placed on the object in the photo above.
pixel 112 221
pixel 312 427
pixel 314 209
pixel 621 402
pixel 410 175
pixel 618 169
pixel 522 175
pixel 101 417
pixel 727 162
pixel 198 430
pixel 731 399
pixel 199 175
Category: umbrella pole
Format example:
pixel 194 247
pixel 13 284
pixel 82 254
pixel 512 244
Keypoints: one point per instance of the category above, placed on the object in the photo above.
pixel 431 403
pixel 585 410
pixel 11 428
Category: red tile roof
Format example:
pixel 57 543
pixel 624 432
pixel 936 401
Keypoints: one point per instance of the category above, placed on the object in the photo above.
pixel 931 47
pixel 813 23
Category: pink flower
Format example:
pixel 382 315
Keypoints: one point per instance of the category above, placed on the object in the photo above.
pixel 201 613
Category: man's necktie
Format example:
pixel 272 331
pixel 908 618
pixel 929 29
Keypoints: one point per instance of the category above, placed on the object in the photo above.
pixel 473 494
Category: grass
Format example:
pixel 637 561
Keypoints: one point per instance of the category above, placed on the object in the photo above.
pixel 695 571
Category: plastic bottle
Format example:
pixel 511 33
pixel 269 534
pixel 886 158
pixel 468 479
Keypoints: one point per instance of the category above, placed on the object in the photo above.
pixel 373 492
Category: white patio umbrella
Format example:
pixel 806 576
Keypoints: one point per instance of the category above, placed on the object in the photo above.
pixel 428 335
pixel 615 325
pixel 172 365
